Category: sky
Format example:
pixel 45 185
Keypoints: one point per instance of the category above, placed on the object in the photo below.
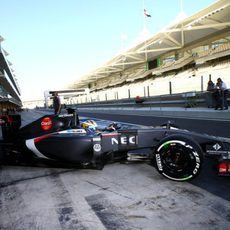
pixel 51 43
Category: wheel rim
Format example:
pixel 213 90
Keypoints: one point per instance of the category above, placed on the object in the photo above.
pixel 177 159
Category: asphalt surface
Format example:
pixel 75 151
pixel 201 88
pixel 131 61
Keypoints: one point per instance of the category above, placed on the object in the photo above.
pixel 121 196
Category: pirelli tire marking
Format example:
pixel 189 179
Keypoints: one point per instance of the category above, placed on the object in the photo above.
pixel 192 156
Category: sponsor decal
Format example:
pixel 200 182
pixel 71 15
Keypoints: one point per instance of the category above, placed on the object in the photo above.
pixel 216 147
pixel 97 147
pixel 77 131
pixel 65 115
pixel 96 139
pixel 46 123
pixel 124 140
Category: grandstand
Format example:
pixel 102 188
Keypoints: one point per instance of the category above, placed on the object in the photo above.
pixel 9 88
pixel 180 58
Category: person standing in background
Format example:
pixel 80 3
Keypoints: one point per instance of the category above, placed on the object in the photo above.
pixel 221 95
pixel 56 104
pixel 209 94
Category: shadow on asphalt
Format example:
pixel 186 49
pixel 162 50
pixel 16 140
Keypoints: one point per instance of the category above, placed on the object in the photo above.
pixel 211 182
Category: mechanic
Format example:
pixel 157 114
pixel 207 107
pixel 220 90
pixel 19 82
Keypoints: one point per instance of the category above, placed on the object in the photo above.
pixel 56 103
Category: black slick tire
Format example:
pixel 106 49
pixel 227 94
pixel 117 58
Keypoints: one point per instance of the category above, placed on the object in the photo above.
pixel 178 158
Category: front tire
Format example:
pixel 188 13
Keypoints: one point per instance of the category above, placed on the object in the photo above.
pixel 178 158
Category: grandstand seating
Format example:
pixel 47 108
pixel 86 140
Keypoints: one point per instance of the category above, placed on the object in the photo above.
pixel 172 78
pixel 222 50
pixel 194 80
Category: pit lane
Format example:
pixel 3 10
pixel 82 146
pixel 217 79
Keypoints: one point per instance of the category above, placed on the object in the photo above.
pixel 121 196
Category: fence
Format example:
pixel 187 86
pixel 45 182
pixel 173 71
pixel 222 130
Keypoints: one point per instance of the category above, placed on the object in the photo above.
pixel 187 99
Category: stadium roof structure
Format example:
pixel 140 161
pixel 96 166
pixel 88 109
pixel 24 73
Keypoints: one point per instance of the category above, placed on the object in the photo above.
pixel 210 24
pixel 9 90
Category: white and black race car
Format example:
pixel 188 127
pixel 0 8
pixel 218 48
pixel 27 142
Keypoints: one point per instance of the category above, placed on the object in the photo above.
pixel 177 154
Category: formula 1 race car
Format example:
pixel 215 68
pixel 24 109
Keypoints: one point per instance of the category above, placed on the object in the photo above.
pixel 177 154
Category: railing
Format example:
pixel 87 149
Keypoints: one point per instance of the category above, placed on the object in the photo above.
pixel 185 100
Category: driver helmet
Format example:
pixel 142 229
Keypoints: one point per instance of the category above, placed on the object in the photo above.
pixel 89 124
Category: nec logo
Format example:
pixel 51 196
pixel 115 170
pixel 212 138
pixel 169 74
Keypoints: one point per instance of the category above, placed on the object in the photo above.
pixel 124 140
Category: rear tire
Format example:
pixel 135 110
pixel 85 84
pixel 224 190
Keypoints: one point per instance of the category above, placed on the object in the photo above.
pixel 178 158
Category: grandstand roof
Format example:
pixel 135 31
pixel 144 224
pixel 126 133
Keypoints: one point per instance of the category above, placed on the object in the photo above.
pixel 210 24
pixel 7 80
